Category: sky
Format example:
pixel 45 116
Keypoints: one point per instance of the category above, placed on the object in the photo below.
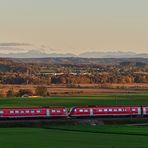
pixel 74 26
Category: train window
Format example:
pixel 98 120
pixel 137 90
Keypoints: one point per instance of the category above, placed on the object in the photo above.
pixel 32 111
pixel 64 110
pixel 58 111
pixel 53 111
pixel 100 110
pixel 81 110
pixel 22 112
pixel 38 111
pixel 105 110
pixel 1 112
pixel 133 109
pixel 120 110
pixel 75 110
pixel 27 111
pixel 11 112
pixel 115 110
pixel 85 110
pixel 16 111
pixel 110 110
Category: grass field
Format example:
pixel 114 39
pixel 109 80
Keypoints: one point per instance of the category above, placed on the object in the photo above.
pixel 75 137
pixel 130 99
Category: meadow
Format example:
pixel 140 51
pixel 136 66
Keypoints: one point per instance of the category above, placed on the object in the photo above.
pixel 78 136
pixel 75 136
pixel 109 99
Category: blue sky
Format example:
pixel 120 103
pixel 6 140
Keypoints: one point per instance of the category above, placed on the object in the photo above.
pixel 75 25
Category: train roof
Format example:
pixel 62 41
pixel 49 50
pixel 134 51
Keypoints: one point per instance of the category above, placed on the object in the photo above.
pixel 33 107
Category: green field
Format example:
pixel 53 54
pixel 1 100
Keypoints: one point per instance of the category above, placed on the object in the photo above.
pixel 75 137
pixel 130 99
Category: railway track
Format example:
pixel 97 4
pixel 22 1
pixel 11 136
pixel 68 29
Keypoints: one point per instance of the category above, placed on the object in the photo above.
pixel 73 121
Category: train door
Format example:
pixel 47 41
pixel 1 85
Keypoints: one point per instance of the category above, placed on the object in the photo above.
pixel 139 110
pixel 144 110
pixel 91 112
pixel 1 113
pixel 47 112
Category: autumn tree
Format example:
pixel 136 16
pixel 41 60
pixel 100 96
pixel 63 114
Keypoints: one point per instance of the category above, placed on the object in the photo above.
pixel 41 91
pixel 22 92
pixel 10 93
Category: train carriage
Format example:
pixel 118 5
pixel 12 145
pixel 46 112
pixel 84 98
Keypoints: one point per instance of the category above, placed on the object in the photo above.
pixel 88 111
pixel 33 112
pixel 111 110
pixel 23 112
pixel 116 110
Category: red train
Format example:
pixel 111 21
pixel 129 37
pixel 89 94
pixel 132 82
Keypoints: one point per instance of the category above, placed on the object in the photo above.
pixel 81 111
pixel 33 112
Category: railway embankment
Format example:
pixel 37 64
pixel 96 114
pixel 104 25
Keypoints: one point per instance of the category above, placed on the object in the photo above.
pixel 84 121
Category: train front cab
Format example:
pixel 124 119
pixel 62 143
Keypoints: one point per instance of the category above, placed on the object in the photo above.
pixel 83 111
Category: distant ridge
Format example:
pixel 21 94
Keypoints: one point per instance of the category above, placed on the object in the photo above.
pixel 35 54
pixel 112 55
pixel 39 54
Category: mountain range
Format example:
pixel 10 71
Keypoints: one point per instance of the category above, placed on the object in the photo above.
pixel 40 54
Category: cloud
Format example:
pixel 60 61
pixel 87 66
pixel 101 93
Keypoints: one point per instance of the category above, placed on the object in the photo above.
pixel 46 49
pixel 13 47
pixel 14 44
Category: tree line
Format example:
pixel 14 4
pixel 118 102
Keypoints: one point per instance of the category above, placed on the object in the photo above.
pixel 40 91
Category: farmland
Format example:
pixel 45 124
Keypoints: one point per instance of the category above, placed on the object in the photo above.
pixel 123 99
pixel 80 136
pixel 75 136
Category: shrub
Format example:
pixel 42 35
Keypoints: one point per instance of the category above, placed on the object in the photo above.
pixel 41 91
pixel 10 93
pixel 21 92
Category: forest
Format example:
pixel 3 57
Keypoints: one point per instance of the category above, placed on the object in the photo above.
pixel 125 72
